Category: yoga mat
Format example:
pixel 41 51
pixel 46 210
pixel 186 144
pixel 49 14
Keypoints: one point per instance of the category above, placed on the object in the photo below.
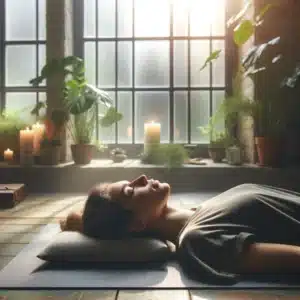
pixel 27 271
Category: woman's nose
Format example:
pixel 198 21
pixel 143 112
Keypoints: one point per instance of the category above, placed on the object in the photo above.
pixel 142 180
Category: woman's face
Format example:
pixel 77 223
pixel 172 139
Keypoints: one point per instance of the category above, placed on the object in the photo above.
pixel 146 198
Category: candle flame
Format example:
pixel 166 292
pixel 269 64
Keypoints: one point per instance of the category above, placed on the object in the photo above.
pixel 8 149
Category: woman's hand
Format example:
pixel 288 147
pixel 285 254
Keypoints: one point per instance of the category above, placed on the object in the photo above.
pixel 73 222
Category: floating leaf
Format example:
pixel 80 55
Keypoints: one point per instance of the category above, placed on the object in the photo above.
pixel 38 107
pixel 112 116
pixel 243 32
pixel 214 55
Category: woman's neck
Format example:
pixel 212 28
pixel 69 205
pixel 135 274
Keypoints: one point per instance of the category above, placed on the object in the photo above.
pixel 171 222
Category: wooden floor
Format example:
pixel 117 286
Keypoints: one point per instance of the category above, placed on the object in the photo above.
pixel 19 225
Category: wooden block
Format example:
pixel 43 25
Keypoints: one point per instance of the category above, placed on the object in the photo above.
pixel 11 194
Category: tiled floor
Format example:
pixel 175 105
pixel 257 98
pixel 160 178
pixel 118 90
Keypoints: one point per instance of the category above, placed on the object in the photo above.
pixel 19 225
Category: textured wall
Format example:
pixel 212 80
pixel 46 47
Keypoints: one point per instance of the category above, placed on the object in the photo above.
pixel 59 45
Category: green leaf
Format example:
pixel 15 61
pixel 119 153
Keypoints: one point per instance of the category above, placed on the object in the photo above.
pixel 214 55
pixel 112 116
pixel 101 96
pixel 243 32
pixel 38 107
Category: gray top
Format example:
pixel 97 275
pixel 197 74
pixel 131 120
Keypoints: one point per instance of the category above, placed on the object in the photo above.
pixel 211 243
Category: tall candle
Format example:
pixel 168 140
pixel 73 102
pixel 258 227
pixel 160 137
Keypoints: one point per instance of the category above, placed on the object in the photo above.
pixel 38 133
pixel 152 137
pixel 152 133
pixel 8 155
pixel 26 146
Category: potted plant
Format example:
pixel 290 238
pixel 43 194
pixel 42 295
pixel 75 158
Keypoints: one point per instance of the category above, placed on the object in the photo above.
pixel 50 147
pixel 174 155
pixel 217 144
pixel 118 155
pixel 267 116
pixel 10 126
pixel 81 102
pixel 266 111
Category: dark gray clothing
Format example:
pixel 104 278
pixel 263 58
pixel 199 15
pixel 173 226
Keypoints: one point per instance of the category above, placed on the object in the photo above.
pixel 212 241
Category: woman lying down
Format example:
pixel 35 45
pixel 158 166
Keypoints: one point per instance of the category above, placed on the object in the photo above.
pixel 246 230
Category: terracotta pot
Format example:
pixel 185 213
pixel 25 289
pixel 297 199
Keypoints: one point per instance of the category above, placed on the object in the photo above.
pixel 216 154
pixel 82 153
pixel 269 151
pixel 49 155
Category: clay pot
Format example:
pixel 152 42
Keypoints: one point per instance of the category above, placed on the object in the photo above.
pixel 49 155
pixel 82 153
pixel 217 154
pixel 269 151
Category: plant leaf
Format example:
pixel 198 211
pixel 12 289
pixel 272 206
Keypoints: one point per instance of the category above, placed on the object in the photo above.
pixel 243 32
pixel 213 56
pixel 38 107
pixel 112 116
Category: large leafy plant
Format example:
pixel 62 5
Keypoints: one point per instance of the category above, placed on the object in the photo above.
pixel 260 57
pixel 243 30
pixel 80 99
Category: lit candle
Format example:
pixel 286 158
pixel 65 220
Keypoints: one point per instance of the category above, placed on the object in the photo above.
pixel 8 155
pixel 38 133
pixel 152 133
pixel 152 137
pixel 26 146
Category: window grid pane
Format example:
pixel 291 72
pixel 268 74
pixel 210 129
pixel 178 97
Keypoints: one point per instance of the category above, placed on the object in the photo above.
pixel 147 63
pixel 25 53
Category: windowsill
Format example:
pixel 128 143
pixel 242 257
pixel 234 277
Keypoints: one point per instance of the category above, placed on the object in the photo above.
pixel 129 163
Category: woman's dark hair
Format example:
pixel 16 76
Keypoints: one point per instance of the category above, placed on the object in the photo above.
pixel 103 217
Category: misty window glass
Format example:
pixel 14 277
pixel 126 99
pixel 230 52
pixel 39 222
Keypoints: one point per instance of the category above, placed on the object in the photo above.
pixel 21 104
pixel 152 65
pixel 152 106
pixel 148 55
pixel 20 64
pixel 24 54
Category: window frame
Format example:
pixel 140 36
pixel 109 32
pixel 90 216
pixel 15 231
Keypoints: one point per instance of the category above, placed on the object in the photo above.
pixel 230 65
pixel 4 89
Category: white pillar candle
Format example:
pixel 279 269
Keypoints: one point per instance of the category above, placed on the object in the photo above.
pixel 26 146
pixel 152 133
pixel 8 155
pixel 38 133
pixel 151 137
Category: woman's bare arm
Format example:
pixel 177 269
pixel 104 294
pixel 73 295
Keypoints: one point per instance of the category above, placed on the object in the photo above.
pixel 270 258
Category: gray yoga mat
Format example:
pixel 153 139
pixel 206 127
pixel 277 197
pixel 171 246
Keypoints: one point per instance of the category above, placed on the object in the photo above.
pixel 27 271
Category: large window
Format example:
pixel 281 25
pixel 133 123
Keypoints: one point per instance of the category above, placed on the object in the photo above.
pixel 22 42
pixel 148 55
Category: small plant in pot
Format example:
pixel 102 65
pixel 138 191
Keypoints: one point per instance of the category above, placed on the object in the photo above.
pixel 217 144
pixel 50 147
pixel 118 155
pixel 175 155
pixel 82 130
